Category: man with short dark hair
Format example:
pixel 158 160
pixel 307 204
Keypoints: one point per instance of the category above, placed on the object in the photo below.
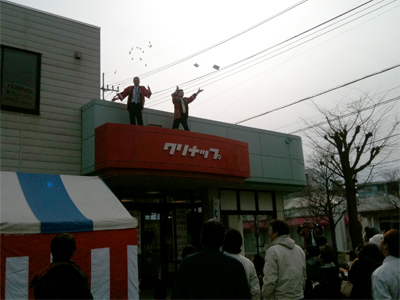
pixel 323 245
pixel 232 246
pixel 63 279
pixel 386 278
pixel 135 105
pixel 285 265
pixel 209 273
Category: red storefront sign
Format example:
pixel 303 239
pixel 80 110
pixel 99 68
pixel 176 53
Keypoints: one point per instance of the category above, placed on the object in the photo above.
pixel 153 148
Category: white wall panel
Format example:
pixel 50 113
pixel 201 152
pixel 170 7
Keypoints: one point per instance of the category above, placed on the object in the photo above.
pixel 50 144
pixel 51 141
pixel 50 158
pixel 17 277
pixel 44 166
pixel 51 151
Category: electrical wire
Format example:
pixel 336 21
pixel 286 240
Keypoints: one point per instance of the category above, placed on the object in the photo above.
pixel 220 75
pixel 319 94
pixel 316 115
pixel 218 44
pixel 347 115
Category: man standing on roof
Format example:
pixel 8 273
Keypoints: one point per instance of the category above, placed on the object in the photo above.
pixel 181 108
pixel 136 100
pixel 62 279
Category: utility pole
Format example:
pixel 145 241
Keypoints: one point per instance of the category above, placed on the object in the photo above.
pixel 106 89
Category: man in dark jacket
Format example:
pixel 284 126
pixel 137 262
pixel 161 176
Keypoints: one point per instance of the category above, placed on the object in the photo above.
pixel 62 279
pixel 211 274
pixel 136 100
pixel 328 285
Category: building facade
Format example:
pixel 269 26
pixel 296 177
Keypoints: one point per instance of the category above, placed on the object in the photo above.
pixel 61 60
pixel 170 180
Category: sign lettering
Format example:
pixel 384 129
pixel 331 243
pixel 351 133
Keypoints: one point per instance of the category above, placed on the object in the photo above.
pixel 193 151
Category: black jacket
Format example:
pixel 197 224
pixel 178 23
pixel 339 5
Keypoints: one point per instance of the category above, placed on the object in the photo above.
pixel 210 274
pixel 62 281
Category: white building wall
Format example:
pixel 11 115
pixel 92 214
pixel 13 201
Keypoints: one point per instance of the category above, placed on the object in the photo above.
pixel 52 141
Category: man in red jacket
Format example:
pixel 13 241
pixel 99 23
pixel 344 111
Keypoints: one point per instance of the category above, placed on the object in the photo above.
pixel 181 108
pixel 136 100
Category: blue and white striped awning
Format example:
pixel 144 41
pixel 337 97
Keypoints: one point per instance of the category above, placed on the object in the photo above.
pixel 42 203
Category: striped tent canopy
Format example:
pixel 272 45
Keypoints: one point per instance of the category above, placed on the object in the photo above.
pixel 42 203
pixel 35 207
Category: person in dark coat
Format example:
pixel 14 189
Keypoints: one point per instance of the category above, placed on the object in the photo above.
pixel 369 259
pixel 209 273
pixel 259 263
pixel 62 279
pixel 312 270
pixel 328 285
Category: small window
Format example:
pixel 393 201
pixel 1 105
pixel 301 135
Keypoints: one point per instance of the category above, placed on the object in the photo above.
pixel 20 80
pixel 228 200
pixel 247 200
pixel 265 201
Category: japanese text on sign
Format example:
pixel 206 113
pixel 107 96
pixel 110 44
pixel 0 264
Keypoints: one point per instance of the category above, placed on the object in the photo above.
pixel 193 150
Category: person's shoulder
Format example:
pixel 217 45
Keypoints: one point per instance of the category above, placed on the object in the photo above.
pixel 231 259
pixel 244 258
pixel 379 272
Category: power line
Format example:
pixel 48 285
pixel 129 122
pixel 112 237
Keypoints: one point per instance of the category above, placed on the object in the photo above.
pixel 319 94
pixel 318 114
pixel 218 44
pixel 347 115
pixel 220 75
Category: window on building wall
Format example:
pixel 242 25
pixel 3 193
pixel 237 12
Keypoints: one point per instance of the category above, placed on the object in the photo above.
pixel 250 212
pixel 20 80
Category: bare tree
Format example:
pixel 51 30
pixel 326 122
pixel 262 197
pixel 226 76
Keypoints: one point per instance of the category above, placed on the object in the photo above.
pixel 357 133
pixel 392 195
pixel 323 196
pixel 259 226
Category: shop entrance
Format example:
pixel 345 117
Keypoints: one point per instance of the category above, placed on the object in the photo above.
pixel 168 221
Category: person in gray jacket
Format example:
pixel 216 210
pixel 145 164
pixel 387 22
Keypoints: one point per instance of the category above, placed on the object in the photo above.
pixel 285 265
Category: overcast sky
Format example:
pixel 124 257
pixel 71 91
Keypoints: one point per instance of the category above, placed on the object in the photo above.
pixel 259 71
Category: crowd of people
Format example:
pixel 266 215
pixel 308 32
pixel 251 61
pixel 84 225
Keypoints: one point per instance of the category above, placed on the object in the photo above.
pixel 286 272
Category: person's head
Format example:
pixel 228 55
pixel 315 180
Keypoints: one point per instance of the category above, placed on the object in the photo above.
pixel 212 234
pixel 312 251
pixel 189 249
pixel 370 252
pixel 321 241
pixel 232 241
pixel 369 233
pixel 390 243
pixel 63 247
pixel 325 257
pixel 181 93
pixel 277 228
pixel 376 239
pixel 136 81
